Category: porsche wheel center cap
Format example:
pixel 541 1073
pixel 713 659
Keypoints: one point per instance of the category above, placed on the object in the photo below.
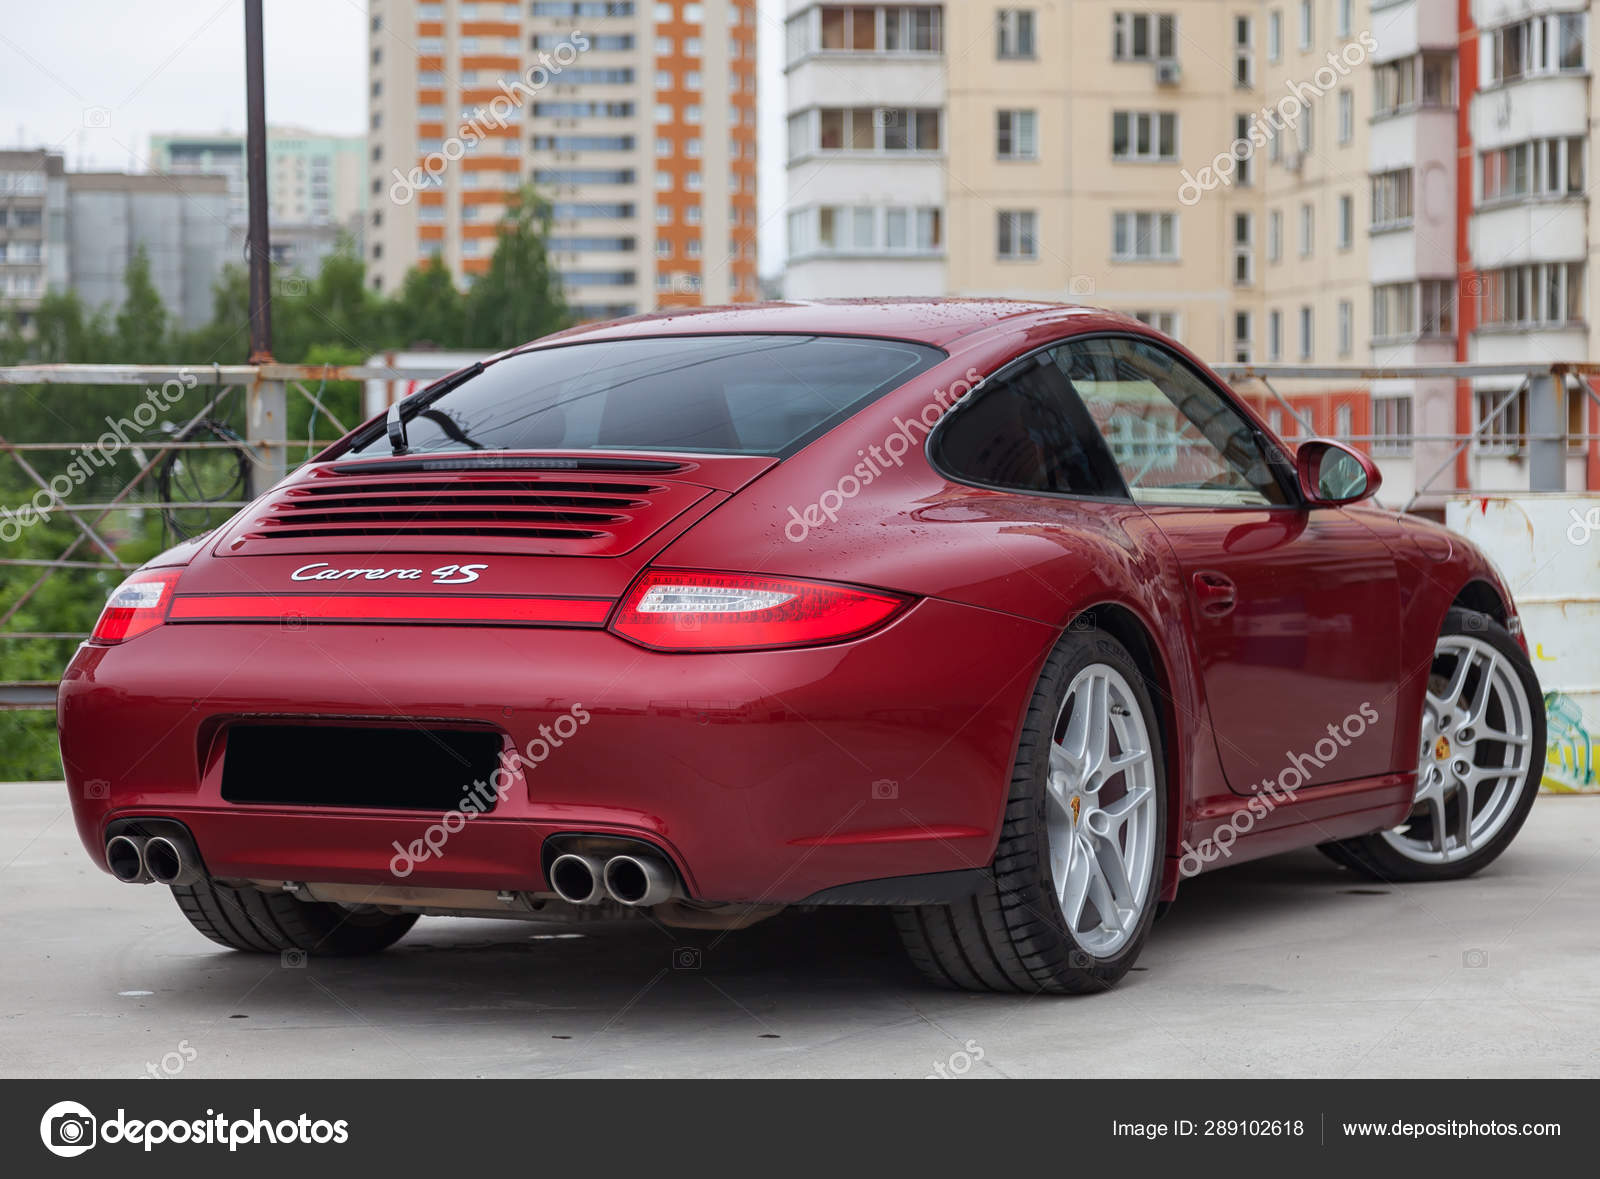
pixel 1441 749
pixel 1077 805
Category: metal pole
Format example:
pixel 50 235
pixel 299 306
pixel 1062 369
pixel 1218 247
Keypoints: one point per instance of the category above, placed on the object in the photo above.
pixel 1547 429
pixel 256 177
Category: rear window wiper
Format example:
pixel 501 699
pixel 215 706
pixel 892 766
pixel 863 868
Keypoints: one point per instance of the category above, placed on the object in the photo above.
pixel 395 423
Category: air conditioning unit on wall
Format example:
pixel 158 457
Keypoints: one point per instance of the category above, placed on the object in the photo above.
pixel 1167 72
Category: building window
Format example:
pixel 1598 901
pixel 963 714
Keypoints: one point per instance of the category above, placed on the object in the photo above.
pixel 1539 294
pixel 1548 44
pixel 1347 220
pixel 1500 417
pixel 1308 228
pixel 1347 116
pixel 1305 333
pixel 1144 237
pixel 1391 199
pixel 1346 330
pixel 1391 425
pixel 1165 322
pixel 1542 167
pixel 1275 35
pixel 1014 33
pixel 1144 36
pixel 1016 234
pixel 1424 79
pixel 1244 53
pixel 1242 173
pixel 1275 340
pixel 1305 25
pixel 876 129
pixel 1014 135
pixel 1241 337
pixel 1243 249
pixel 1346 17
pixel 1274 235
pixel 1141 135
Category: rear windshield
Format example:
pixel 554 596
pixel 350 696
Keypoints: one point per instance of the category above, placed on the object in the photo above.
pixel 756 394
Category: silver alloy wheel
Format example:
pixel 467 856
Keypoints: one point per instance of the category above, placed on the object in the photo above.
pixel 1474 759
pixel 1101 810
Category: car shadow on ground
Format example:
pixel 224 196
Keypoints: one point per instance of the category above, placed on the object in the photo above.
pixel 598 966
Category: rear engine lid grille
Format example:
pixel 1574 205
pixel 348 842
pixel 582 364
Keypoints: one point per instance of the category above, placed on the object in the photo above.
pixel 520 511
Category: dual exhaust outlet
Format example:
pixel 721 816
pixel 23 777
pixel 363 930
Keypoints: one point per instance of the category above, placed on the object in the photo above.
pixel 633 880
pixel 164 859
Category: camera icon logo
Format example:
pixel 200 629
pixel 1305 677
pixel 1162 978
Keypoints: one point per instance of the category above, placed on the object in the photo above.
pixel 885 788
pixel 96 116
pixel 293 622
pixel 1475 959
pixel 292 959
pixel 686 958
pixel 67 1129
pixel 97 788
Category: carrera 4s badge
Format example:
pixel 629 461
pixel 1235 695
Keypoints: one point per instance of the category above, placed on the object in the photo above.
pixel 444 575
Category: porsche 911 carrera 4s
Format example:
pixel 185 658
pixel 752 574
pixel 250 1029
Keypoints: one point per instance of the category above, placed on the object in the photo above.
pixel 1009 616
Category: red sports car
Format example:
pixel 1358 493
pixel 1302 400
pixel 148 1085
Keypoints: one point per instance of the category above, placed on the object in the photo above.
pixel 1007 615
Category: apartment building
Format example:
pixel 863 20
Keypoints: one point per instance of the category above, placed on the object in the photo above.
pixel 316 186
pixel 33 247
pixel 636 121
pixel 867 157
pixel 1313 182
pixel 81 230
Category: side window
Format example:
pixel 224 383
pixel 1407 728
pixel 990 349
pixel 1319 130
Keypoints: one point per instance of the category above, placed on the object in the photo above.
pixel 1027 432
pixel 1174 438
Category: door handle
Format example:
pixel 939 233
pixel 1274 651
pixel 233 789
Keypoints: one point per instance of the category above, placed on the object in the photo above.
pixel 1214 593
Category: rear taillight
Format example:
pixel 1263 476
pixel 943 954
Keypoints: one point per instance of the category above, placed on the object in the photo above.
pixel 672 610
pixel 137 605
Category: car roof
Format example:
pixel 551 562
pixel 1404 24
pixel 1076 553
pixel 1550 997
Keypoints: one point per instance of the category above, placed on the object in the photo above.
pixel 934 321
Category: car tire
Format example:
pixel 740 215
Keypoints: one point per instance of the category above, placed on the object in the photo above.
pixel 1013 934
pixel 276 923
pixel 1397 855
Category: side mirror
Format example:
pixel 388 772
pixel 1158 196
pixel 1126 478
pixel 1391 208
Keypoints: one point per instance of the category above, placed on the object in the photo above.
pixel 1332 473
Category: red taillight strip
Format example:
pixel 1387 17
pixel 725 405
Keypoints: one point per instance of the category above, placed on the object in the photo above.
pixel 511 611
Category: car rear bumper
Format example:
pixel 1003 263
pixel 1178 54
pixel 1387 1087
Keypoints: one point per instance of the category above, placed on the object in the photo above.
pixel 765 776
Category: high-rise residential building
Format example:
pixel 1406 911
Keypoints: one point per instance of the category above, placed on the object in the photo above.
pixel 635 121
pixel 1312 182
pixel 867 157
pixel 179 222
pixel 64 230
pixel 316 186
pixel 33 244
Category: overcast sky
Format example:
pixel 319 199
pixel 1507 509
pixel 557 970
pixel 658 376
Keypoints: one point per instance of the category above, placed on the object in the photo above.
pixel 94 78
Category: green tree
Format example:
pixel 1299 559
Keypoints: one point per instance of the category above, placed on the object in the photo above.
pixel 519 297
pixel 429 309
pixel 142 320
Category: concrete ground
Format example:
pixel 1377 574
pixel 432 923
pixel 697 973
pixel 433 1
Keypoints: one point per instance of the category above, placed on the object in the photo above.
pixel 1284 967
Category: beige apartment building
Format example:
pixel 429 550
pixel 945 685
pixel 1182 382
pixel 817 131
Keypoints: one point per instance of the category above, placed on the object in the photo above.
pixel 637 121
pixel 1199 164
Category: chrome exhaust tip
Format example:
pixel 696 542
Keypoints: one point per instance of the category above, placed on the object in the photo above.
pixel 169 862
pixel 640 880
pixel 576 879
pixel 125 858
